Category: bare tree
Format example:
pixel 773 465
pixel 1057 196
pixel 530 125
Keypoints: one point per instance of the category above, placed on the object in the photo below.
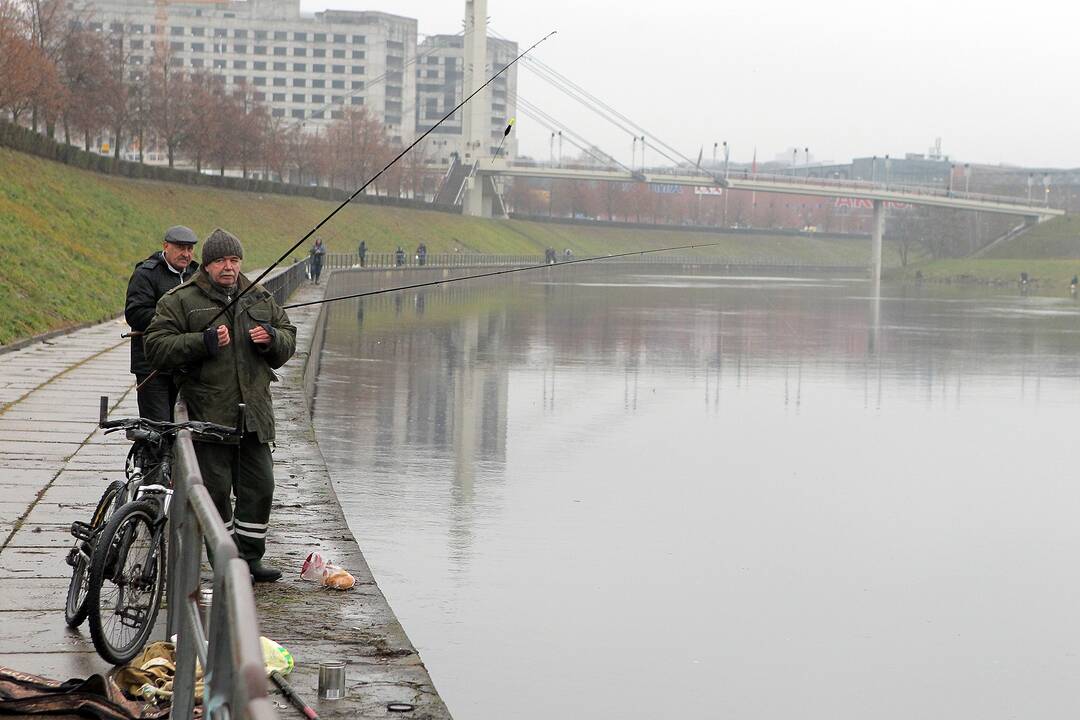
pixel 275 148
pixel 21 62
pixel 117 92
pixel 249 132
pixel 90 85
pixel 52 24
pixel 169 99
pixel 204 107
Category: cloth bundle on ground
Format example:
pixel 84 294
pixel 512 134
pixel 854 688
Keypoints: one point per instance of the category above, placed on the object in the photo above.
pixel 95 697
pixel 150 675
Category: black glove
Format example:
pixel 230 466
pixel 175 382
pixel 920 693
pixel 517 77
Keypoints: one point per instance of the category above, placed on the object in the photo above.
pixel 210 340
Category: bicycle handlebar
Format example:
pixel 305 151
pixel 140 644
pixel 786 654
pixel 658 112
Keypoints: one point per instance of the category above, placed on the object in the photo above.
pixel 198 427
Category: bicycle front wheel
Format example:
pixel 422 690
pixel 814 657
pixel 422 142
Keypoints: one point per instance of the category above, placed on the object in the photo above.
pixel 75 609
pixel 127 579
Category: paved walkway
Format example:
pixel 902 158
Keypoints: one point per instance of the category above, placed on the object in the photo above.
pixel 54 464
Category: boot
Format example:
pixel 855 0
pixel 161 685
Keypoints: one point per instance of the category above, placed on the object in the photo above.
pixel 263 573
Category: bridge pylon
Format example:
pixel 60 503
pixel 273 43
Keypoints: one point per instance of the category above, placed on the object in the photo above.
pixel 480 197
pixel 877 231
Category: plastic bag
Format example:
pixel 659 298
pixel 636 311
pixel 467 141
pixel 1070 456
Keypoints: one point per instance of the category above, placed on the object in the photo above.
pixel 276 657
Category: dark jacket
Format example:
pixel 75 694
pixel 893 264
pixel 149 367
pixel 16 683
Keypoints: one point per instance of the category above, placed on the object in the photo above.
pixel 151 279
pixel 213 384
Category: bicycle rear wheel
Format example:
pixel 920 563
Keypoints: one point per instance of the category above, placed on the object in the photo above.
pixel 75 609
pixel 127 579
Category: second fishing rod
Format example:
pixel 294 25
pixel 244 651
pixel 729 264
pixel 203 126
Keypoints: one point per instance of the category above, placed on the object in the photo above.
pixel 493 273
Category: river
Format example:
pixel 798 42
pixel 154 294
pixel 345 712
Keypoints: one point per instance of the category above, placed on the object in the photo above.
pixel 638 492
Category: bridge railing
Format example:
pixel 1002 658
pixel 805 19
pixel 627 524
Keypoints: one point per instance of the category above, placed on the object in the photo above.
pixel 848 184
pixel 926 190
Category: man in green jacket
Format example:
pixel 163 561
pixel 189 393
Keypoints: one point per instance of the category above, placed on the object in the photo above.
pixel 219 366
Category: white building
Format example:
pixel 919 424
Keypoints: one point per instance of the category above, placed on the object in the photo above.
pixel 304 68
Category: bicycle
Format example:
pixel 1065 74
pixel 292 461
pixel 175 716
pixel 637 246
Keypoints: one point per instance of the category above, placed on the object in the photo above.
pixel 140 460
pixel 126 576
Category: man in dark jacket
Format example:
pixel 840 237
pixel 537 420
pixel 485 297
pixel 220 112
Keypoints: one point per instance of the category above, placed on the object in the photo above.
pixel 220 365
pixel 152 278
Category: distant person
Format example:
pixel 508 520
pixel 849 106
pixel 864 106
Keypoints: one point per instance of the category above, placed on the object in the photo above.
pixel 362 252
pixel 399 257
pixel 567 255
pixel 317 252
pixel 152 278
pixel 421 254
pixel 1073 284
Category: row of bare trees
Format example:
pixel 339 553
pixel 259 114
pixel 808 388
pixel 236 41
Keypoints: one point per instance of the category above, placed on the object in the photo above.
pixel 56 74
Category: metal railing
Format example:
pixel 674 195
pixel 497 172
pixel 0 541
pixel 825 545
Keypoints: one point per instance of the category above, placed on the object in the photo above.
pixel 281 283
pixel 339 261
pixel 229 649
pixel 871 186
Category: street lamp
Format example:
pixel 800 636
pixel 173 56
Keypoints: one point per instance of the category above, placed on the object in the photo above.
pixel 725 159
pixel 806 160
pixel 967 177
pixel 551 150
pixel 794 160
pixel 633 151
pixel 1031 181
pixel 1046 184
pixel 642 153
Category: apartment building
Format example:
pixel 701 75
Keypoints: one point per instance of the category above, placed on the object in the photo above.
pixel 306 68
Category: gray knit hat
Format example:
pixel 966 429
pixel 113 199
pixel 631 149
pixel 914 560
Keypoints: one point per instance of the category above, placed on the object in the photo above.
pixel 221 243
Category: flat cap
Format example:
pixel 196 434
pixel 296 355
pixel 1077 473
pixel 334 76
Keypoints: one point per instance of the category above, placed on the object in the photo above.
pixel 180 235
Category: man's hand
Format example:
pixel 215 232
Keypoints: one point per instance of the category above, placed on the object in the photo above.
pixel 260 336
pixel 215 338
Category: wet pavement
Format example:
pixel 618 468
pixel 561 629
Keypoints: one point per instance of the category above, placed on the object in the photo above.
pixel 56 462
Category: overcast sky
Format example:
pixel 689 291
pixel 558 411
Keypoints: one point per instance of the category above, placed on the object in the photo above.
pixel 997 81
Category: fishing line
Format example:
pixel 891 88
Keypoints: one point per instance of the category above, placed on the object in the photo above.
pixel 493 273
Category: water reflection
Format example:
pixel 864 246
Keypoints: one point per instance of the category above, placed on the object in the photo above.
pixel 623 487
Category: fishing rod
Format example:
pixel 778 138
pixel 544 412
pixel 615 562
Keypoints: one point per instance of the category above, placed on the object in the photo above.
pixel 493 273
pixel 363 187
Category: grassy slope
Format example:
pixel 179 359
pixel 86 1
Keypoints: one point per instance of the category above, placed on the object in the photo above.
pixel 1054 239
pixel 1049 253
pixel 69 238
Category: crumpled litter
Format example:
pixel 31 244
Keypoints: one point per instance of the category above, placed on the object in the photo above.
pixel 276 657
pixel 150 675
pixel 317 568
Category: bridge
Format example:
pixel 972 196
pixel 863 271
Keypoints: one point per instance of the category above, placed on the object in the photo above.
pixel 470 181
pixel 880 194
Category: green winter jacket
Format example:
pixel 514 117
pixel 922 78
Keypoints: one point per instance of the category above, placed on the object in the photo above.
pixel 240 372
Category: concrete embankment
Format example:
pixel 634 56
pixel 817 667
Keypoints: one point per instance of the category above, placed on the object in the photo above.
pixel 55 464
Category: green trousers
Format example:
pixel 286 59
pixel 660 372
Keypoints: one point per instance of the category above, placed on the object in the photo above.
pixel 244 472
